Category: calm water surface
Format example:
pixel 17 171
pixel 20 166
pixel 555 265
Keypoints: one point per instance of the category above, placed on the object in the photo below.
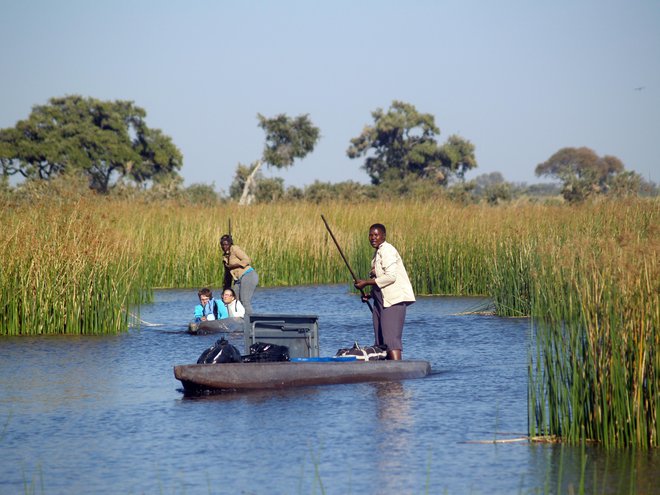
pixel 105 415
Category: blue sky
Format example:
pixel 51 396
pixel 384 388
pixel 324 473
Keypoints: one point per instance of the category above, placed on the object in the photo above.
pixel 519 79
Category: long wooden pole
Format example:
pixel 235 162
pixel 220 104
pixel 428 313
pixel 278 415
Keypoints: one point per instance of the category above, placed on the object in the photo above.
pixel 226 279
pixel 345 260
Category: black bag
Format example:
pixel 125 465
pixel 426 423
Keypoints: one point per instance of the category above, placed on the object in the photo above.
pixel 220 352
pixel 369 353
pixel 263 352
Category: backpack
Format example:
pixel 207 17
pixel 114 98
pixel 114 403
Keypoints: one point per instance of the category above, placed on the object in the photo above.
pixel 214 311
pixel 262 352
pixel 369 353
pixel 214 307
pixel 220 352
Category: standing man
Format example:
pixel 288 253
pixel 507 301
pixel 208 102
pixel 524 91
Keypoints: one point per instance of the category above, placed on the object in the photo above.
pixel 239 265
pixel 391 291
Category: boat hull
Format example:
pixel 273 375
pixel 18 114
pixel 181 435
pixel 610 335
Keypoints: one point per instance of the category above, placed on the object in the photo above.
pixel 279 375
pixel 225 325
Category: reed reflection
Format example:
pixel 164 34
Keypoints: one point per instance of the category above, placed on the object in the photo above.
pixel 566 467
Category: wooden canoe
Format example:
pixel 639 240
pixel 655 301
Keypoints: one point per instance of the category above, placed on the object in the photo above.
pixel 224 325
pixel 278 375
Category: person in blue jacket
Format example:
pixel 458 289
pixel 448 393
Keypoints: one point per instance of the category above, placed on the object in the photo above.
pixel 208 308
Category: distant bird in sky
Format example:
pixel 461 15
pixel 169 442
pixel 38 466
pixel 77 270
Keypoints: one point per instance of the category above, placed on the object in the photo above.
pixel 639 88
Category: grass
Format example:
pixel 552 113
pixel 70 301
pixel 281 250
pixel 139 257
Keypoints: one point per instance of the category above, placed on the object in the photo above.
pixel 588 275
pixel 595 372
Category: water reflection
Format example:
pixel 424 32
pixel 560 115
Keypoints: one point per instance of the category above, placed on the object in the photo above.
pixel 567 468
pixel 254 397
pixel 393 400
pixel 393 411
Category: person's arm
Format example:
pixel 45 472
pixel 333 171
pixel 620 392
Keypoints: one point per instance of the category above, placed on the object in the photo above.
pixel 222 310
pixel 199 311
pixel 242 259
pixel 362 283
pixel 386 258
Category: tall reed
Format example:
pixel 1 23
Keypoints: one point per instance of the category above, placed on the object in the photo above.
pixel 588 275
pixel 595 373
pixel 64 270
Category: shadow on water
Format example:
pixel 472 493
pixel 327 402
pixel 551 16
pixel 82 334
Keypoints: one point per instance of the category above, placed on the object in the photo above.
pixel 106 415
pixel 252 396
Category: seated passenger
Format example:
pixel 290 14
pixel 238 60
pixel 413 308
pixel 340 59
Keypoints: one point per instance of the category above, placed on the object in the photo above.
pixel 233 306
pixel 208 308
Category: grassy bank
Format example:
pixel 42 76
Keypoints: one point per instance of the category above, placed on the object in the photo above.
pixel 590 276
pixel 531 259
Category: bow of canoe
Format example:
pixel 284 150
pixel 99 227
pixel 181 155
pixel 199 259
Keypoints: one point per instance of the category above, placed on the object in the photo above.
pixel 278 375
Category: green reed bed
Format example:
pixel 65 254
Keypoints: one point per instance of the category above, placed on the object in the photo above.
pixel 448 249
pixel 63 271
pixel 180 245
pixel 595 373
pixel 177 246
pixel 511 278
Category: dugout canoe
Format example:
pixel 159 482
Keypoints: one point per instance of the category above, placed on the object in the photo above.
pixel 224 325
pixel 279 375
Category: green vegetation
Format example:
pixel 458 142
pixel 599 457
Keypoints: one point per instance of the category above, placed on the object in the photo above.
pixel 286 140
pixel 100 140
pixel 596 371
pixel 64 270
pixel 108 144
pixel 402 143
pixel 583 174
pixel 589 275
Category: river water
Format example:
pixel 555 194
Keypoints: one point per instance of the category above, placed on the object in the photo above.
pixel 105 415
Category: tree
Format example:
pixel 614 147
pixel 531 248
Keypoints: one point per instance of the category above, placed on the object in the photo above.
pixel 347 190
pixel 403 142
pixel 627 183
pixel 498 193
pixel 238 185
pixel 270 190
pixel 105 141
pixel 484 181
pixel 493 188
pixel 160 158
pixel 286 139
pixel 582 172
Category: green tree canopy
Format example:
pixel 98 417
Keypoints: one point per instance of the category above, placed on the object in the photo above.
pixel 402 142
pixel 286 139
pixel 103 140
pixel 263 190
pixel 582 172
